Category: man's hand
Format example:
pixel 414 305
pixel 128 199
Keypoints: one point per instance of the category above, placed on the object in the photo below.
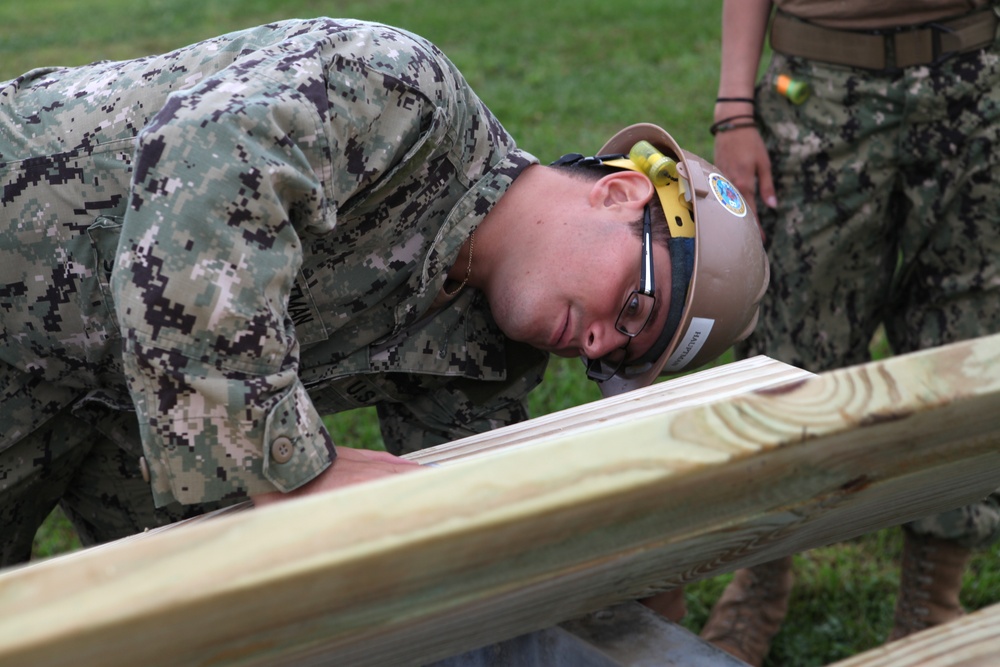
pixel 352 466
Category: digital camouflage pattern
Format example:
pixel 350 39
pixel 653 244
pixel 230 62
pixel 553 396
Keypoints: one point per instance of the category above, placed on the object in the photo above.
pixel 888 190
pixel 250 230
pixel 98 482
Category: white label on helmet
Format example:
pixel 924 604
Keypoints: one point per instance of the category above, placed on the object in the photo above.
pixel 727 194
pixel 695 336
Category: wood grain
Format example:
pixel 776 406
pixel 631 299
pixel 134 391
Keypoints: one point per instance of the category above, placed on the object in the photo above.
pixel 971 641
pixel 695 389
pixel 427 565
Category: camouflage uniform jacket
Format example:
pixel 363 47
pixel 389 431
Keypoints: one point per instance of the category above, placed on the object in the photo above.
pixel 252 231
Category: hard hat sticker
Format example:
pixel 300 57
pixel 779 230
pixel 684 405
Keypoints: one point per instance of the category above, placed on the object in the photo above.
pixel 727 194
pixel 697 333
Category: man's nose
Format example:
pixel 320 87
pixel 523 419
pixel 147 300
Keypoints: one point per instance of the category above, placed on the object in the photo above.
pixel 602 339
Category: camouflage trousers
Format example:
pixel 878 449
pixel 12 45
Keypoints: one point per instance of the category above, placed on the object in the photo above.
pixel 85 469
pixel 888 190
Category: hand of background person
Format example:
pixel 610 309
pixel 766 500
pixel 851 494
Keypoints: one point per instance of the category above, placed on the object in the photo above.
pixel 352 466
pixel 739 152
pixel 740 155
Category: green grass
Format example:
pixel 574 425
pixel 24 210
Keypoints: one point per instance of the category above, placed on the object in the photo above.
pixel 562 76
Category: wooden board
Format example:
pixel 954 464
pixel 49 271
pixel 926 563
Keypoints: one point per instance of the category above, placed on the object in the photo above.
pixel 971 641
pixel 712 384
pixel 408 570
pixel 695 389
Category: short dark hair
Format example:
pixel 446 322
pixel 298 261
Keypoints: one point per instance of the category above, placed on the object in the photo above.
pixel 594 172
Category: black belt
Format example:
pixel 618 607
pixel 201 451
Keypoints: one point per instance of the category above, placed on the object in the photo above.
pixel 905 46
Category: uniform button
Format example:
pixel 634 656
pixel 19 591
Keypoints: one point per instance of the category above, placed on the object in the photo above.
pixel 144 469
pixel 282 450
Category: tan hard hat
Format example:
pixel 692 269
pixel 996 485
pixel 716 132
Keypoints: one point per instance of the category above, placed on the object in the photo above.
pixel 730 270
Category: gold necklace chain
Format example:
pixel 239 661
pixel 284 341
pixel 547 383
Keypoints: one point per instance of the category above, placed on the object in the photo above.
pixel 468 269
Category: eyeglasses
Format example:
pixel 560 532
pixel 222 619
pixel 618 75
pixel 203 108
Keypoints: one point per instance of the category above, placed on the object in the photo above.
pixel 636 312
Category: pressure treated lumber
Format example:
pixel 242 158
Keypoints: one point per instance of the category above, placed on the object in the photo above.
pixel 971 641
pixel 696 389
pixel 430 564
pixel 716 383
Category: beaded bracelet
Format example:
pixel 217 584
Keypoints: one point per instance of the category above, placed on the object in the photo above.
pixel 748 100
pixel 727 124
pixel 736 126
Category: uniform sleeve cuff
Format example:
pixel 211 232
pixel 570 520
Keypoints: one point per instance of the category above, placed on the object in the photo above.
pixel 297 446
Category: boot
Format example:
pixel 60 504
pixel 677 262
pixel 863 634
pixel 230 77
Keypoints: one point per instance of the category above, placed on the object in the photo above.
pixel 751 610
pixel 669 604
pixel 930 579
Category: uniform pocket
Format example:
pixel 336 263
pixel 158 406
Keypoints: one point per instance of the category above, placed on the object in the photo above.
pixel 58 318
pixel 104 236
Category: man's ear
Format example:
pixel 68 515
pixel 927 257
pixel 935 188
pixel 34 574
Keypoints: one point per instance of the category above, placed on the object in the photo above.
pixel 628 189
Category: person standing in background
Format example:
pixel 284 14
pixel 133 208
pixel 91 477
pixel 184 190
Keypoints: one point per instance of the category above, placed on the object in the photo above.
pixel 872 143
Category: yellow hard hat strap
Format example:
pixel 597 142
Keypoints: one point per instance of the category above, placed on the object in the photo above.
pixel 675 198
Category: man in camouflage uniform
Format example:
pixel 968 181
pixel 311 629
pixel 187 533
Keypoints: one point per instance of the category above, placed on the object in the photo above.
pixel 258 133
pixel 879 196
pixel 203 252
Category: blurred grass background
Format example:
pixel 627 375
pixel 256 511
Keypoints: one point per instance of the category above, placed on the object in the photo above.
pixel 562 76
